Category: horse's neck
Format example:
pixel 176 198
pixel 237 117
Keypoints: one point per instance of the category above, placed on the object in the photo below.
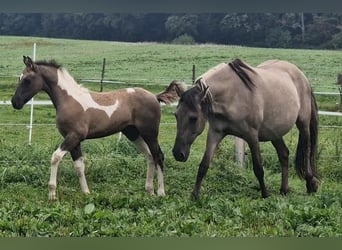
pixel 65 88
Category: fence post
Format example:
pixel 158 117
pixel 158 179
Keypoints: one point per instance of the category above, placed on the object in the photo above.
pixel 193 74
pixel 339 84
pixel 31 111
pixel 340 89
pixel 240 147
pixel 102 74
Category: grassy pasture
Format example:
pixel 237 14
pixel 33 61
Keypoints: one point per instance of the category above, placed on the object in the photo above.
pixel 230 203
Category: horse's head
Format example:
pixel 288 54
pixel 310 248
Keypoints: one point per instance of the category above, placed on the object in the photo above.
pixel 191 116
pixel 30 83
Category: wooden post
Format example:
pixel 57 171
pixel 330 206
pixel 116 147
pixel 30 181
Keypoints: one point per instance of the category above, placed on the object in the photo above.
pixel 339 83
pixel 102 74
pixel 193 74
pixel 240 147
pixel 340 89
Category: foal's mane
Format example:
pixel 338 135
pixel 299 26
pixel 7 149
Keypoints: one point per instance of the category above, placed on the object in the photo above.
pixel 239 67
pixel 51 63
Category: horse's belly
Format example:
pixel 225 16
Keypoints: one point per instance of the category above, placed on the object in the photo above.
pixel 277 127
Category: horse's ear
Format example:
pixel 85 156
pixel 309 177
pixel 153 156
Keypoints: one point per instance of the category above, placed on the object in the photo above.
pixel 205 93
pixel 28 62
pixel 204 89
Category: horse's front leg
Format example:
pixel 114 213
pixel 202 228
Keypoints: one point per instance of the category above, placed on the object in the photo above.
pixel 257 166
pixel 70 142
pixel 57 156
pixel 76 155
pixel 213 139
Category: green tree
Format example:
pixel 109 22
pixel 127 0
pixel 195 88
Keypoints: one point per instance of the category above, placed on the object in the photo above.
pixel 177 25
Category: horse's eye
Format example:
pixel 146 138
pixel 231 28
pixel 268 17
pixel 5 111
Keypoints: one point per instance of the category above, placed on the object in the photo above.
pixel 193 119
pixel 26 81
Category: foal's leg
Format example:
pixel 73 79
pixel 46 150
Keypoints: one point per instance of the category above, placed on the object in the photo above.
pixel 57 156
pixel 213 139
pixel 76 155
pixel 257 166
pixel 70 142
pixel 143 147
pixel 283 156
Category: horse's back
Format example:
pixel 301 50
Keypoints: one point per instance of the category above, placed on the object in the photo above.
pixel 286 95
pixel 145 105
pixel 278 70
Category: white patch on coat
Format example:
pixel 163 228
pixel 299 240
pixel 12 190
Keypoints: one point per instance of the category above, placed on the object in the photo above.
pixel 82 95
pixel 21 76
pixel 130 90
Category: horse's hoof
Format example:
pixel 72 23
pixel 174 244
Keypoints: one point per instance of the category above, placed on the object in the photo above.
pixel 149 190
pixel 194 196
pixel 284 191
pixel 266 194
pixel 161 193
pixel 52 198
pixel 312 185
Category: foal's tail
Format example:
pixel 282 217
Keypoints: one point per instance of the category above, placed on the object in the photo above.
pixel 172 92
pixel 302 149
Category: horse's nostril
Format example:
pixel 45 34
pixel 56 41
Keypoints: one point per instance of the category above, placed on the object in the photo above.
pixel 181 156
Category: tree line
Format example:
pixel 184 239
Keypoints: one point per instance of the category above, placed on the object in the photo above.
pixel 277 30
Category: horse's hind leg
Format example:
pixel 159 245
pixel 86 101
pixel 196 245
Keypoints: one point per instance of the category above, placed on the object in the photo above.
pixel 142 147
pixel 76 155
pixel 283 156
pixel 158 159
pixel 151 165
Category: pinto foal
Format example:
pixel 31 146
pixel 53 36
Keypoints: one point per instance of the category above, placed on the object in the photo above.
pixel 83 114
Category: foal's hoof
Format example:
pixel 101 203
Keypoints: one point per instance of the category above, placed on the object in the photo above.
pixel 161 193
pixel 284 192
pixel 149 190
pixel 194 196
pixel 312 185
pixel 266 194
pixel 53 198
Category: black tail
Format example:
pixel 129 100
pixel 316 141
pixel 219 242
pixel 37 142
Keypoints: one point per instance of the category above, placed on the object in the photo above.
pixel 301 147
pixel 314 135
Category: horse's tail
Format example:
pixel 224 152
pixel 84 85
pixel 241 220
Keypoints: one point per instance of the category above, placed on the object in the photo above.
pixel 301 159
pixel 172 92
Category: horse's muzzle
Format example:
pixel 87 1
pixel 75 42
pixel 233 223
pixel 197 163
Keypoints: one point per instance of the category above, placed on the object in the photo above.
pixel 16 104
pixel 180 155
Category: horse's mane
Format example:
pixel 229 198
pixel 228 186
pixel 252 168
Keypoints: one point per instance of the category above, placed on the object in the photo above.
pixel 51 63
pixel 239 67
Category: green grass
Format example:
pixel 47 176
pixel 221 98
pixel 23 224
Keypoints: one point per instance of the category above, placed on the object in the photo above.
pixel 230 203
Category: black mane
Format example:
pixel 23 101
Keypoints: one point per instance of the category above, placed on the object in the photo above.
pixel 51 63
pixel 240 68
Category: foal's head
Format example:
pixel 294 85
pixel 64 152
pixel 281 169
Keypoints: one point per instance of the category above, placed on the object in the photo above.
pixel 31 81
pixel 191 116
